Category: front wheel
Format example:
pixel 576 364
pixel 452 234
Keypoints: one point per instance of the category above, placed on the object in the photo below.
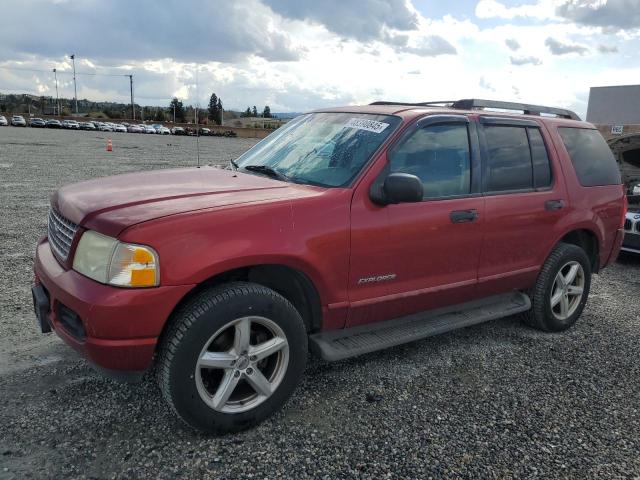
pixel 561 290
pixel 232 356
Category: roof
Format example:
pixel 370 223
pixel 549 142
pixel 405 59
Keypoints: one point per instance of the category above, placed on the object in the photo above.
pixel 408 111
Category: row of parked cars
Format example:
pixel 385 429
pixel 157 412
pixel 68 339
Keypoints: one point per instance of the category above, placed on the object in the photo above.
pixel 124 127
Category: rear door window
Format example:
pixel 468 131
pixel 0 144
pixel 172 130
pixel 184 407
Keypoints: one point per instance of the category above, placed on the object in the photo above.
pixel 508 162
pixel 540 159
pixel 592 158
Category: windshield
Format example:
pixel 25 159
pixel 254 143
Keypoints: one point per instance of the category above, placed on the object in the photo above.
pixel 325 149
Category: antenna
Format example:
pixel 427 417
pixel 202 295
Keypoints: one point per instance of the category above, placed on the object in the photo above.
pixel 196 120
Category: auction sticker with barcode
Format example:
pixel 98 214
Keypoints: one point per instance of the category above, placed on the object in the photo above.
pixel 368 125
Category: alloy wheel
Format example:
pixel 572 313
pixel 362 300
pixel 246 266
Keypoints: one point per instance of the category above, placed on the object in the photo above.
pixel 567 290
pixel 242 364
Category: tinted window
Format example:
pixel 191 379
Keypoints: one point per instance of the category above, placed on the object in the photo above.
pixel 509 159
pixel 541 167
pixel 591 157
pixel 439 156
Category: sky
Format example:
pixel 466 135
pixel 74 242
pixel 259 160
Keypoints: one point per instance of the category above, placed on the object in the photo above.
pixel 297 55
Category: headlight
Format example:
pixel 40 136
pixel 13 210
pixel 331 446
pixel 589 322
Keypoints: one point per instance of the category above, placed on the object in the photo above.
pixel 107 260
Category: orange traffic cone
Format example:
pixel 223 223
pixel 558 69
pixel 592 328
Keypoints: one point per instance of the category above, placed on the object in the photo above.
pixel 109 145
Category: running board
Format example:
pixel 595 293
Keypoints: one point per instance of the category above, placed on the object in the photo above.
pixel 340 344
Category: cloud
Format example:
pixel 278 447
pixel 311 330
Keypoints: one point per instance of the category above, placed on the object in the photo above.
pixel 543 9
pixel 512 43
pixel 431 46
pixel 607 49
pixel 610 14
pixel 559 48
pixel 364 21
pixel 525 61
pixel 143 29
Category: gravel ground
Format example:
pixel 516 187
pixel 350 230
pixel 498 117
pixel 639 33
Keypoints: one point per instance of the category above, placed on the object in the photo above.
pixel 497 400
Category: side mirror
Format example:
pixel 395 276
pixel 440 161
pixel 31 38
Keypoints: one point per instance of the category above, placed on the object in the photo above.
pixel 402 188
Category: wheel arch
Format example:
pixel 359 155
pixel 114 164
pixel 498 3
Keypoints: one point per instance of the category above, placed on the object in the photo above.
pixel 586 239
pixel 291 283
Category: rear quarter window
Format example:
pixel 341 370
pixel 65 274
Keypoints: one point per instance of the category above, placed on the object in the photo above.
pixel 592 158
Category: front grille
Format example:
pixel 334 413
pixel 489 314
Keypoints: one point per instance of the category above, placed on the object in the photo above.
pixel 60 232
pixel 627 224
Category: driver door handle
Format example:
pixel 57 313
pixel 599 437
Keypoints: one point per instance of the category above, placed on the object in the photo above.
pixel 463 216
pixel 554 205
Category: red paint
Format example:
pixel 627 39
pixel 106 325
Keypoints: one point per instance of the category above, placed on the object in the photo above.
pixel 203 222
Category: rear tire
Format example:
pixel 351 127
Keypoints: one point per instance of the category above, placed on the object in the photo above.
pixel 561 290
pixel 231 357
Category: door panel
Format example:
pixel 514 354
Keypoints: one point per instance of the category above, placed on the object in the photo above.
pixel 518 228
pixel 519 225
pixel 411 257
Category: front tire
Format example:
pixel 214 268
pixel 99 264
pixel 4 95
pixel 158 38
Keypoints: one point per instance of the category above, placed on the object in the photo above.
pixel 232 356
pixel 561 290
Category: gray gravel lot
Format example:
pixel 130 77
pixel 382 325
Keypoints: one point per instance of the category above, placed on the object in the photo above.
pixel 497 400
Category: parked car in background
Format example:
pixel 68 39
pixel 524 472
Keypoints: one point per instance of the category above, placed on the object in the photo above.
pixel 204 132
pixel 163 130
pixel 149 129
pixel 134 129
pixel 53 123
pixel 105 127
pixel 3 121
pixel 119 128
pixel 18 121
pixel 71 124
pixel 87 126
pixel 178 131
pixel 346 232
pixel 37 123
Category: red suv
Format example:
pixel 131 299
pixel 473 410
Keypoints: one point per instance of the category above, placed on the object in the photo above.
pixel 346 231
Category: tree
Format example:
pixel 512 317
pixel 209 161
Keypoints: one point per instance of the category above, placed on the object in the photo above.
pixel 213 108
pixel 266 113
pixel 254 111
pixel 179 109
pixel 159 116
pixel 247 112
pixel 220 112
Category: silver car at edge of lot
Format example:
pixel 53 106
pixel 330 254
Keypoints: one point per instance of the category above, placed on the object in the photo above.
pixel 18 121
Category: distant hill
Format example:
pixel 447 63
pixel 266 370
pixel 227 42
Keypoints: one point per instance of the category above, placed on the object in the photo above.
pixel 46 105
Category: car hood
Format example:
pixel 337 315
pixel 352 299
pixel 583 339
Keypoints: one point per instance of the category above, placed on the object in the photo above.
pixel 111 204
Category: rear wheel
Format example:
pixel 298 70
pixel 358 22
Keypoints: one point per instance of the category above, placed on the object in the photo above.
pixel 232 357
pixel 561 290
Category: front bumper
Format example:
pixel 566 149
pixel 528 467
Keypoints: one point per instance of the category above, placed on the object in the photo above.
pixel 118 328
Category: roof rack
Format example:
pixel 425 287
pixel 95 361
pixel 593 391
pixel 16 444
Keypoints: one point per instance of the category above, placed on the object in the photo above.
pixel 477 104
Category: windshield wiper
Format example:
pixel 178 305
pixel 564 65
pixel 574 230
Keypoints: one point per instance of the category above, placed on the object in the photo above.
pixel 267 170
pixel 233 164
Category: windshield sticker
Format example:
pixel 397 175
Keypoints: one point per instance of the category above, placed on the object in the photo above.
pixel 368 125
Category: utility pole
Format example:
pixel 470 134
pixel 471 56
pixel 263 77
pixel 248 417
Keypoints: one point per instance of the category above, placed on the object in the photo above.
pixel 133 107
pixel 174 113
pixel 55 75
pixel 75 89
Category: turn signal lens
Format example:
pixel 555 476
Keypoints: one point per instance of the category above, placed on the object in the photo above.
pixel 134 266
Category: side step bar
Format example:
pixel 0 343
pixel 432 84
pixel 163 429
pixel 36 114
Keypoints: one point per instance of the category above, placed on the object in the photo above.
pixel 340 344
